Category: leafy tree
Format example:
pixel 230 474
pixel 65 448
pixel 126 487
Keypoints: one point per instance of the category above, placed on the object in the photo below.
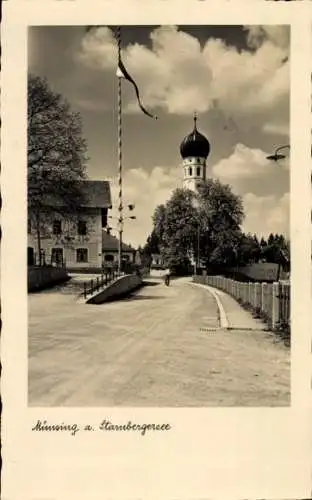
pixel 178 223
pixel 249 250
pixel 205 225
pixel 254 248
pixel 56 156
pixel 271 239
pixel 152 244
pixel 220 214
pixel 159 221
pixel 263 246
pixel 277 250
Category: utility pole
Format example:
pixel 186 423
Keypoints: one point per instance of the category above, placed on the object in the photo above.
pixel 198 245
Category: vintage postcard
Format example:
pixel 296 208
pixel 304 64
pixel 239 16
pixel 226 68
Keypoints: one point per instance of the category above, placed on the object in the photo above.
pixel 156 250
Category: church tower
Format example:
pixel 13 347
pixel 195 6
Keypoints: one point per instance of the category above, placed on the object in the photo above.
pixel 194 150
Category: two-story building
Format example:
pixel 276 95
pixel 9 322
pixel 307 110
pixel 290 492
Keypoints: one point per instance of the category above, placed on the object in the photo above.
pixel 76 241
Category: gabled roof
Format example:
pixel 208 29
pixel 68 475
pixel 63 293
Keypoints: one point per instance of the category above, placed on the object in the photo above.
pixel 98 194
pixel 264 271
pixel 110 243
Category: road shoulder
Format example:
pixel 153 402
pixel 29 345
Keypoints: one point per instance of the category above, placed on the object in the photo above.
pixel 232 314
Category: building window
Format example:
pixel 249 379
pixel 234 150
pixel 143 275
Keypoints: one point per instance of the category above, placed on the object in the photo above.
pixel 190 171
pixel 109 258
pixel 57 227
pixel 82 255
pixel 57 255
pixel 82 227
pixel 104 218
pixel 30 256
pixel 198 171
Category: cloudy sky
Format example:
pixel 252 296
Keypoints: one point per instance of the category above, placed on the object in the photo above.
pixel 237 80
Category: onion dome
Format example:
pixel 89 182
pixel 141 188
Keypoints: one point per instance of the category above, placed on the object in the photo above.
pixel 195 144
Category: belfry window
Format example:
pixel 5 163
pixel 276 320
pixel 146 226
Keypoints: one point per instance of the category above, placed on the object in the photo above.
pixel 198 171
pixel 190 171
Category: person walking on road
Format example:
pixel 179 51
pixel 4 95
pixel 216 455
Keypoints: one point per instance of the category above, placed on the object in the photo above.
pixel 167 277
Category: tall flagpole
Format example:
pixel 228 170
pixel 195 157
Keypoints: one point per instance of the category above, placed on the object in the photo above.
pixel 120 204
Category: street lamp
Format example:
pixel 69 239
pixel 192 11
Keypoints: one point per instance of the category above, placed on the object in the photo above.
pixel 276 156
pixel 196 254
pixel 196 205
pixel 198 245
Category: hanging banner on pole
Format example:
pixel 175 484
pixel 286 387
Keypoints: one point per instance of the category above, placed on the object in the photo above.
pixel 123 73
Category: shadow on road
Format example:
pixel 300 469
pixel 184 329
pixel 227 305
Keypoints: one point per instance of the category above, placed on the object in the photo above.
pixel 151 283
pixel 141 297
pixel 63 287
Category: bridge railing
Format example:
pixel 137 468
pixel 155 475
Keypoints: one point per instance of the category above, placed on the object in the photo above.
pixel 271 301
pixel 100 282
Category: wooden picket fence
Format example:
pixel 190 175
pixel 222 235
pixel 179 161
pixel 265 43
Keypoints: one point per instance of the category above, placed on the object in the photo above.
pixel 271 301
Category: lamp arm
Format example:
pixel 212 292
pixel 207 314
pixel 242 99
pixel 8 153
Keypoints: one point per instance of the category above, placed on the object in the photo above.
pixel 282 147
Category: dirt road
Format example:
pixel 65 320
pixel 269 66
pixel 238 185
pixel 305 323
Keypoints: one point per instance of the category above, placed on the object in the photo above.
pixel 161 347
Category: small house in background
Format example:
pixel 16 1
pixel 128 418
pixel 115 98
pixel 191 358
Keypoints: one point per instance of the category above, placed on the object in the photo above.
pixel 158 262
pixel 110 247
pixel 74 241
pixel 261 272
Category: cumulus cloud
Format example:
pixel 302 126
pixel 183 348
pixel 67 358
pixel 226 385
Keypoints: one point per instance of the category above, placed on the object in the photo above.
pixel 277 35
pixel 247 82
pixel 274 214
pixel 244 163
pixel 249 169
pixel 178 75
pixel 98 48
